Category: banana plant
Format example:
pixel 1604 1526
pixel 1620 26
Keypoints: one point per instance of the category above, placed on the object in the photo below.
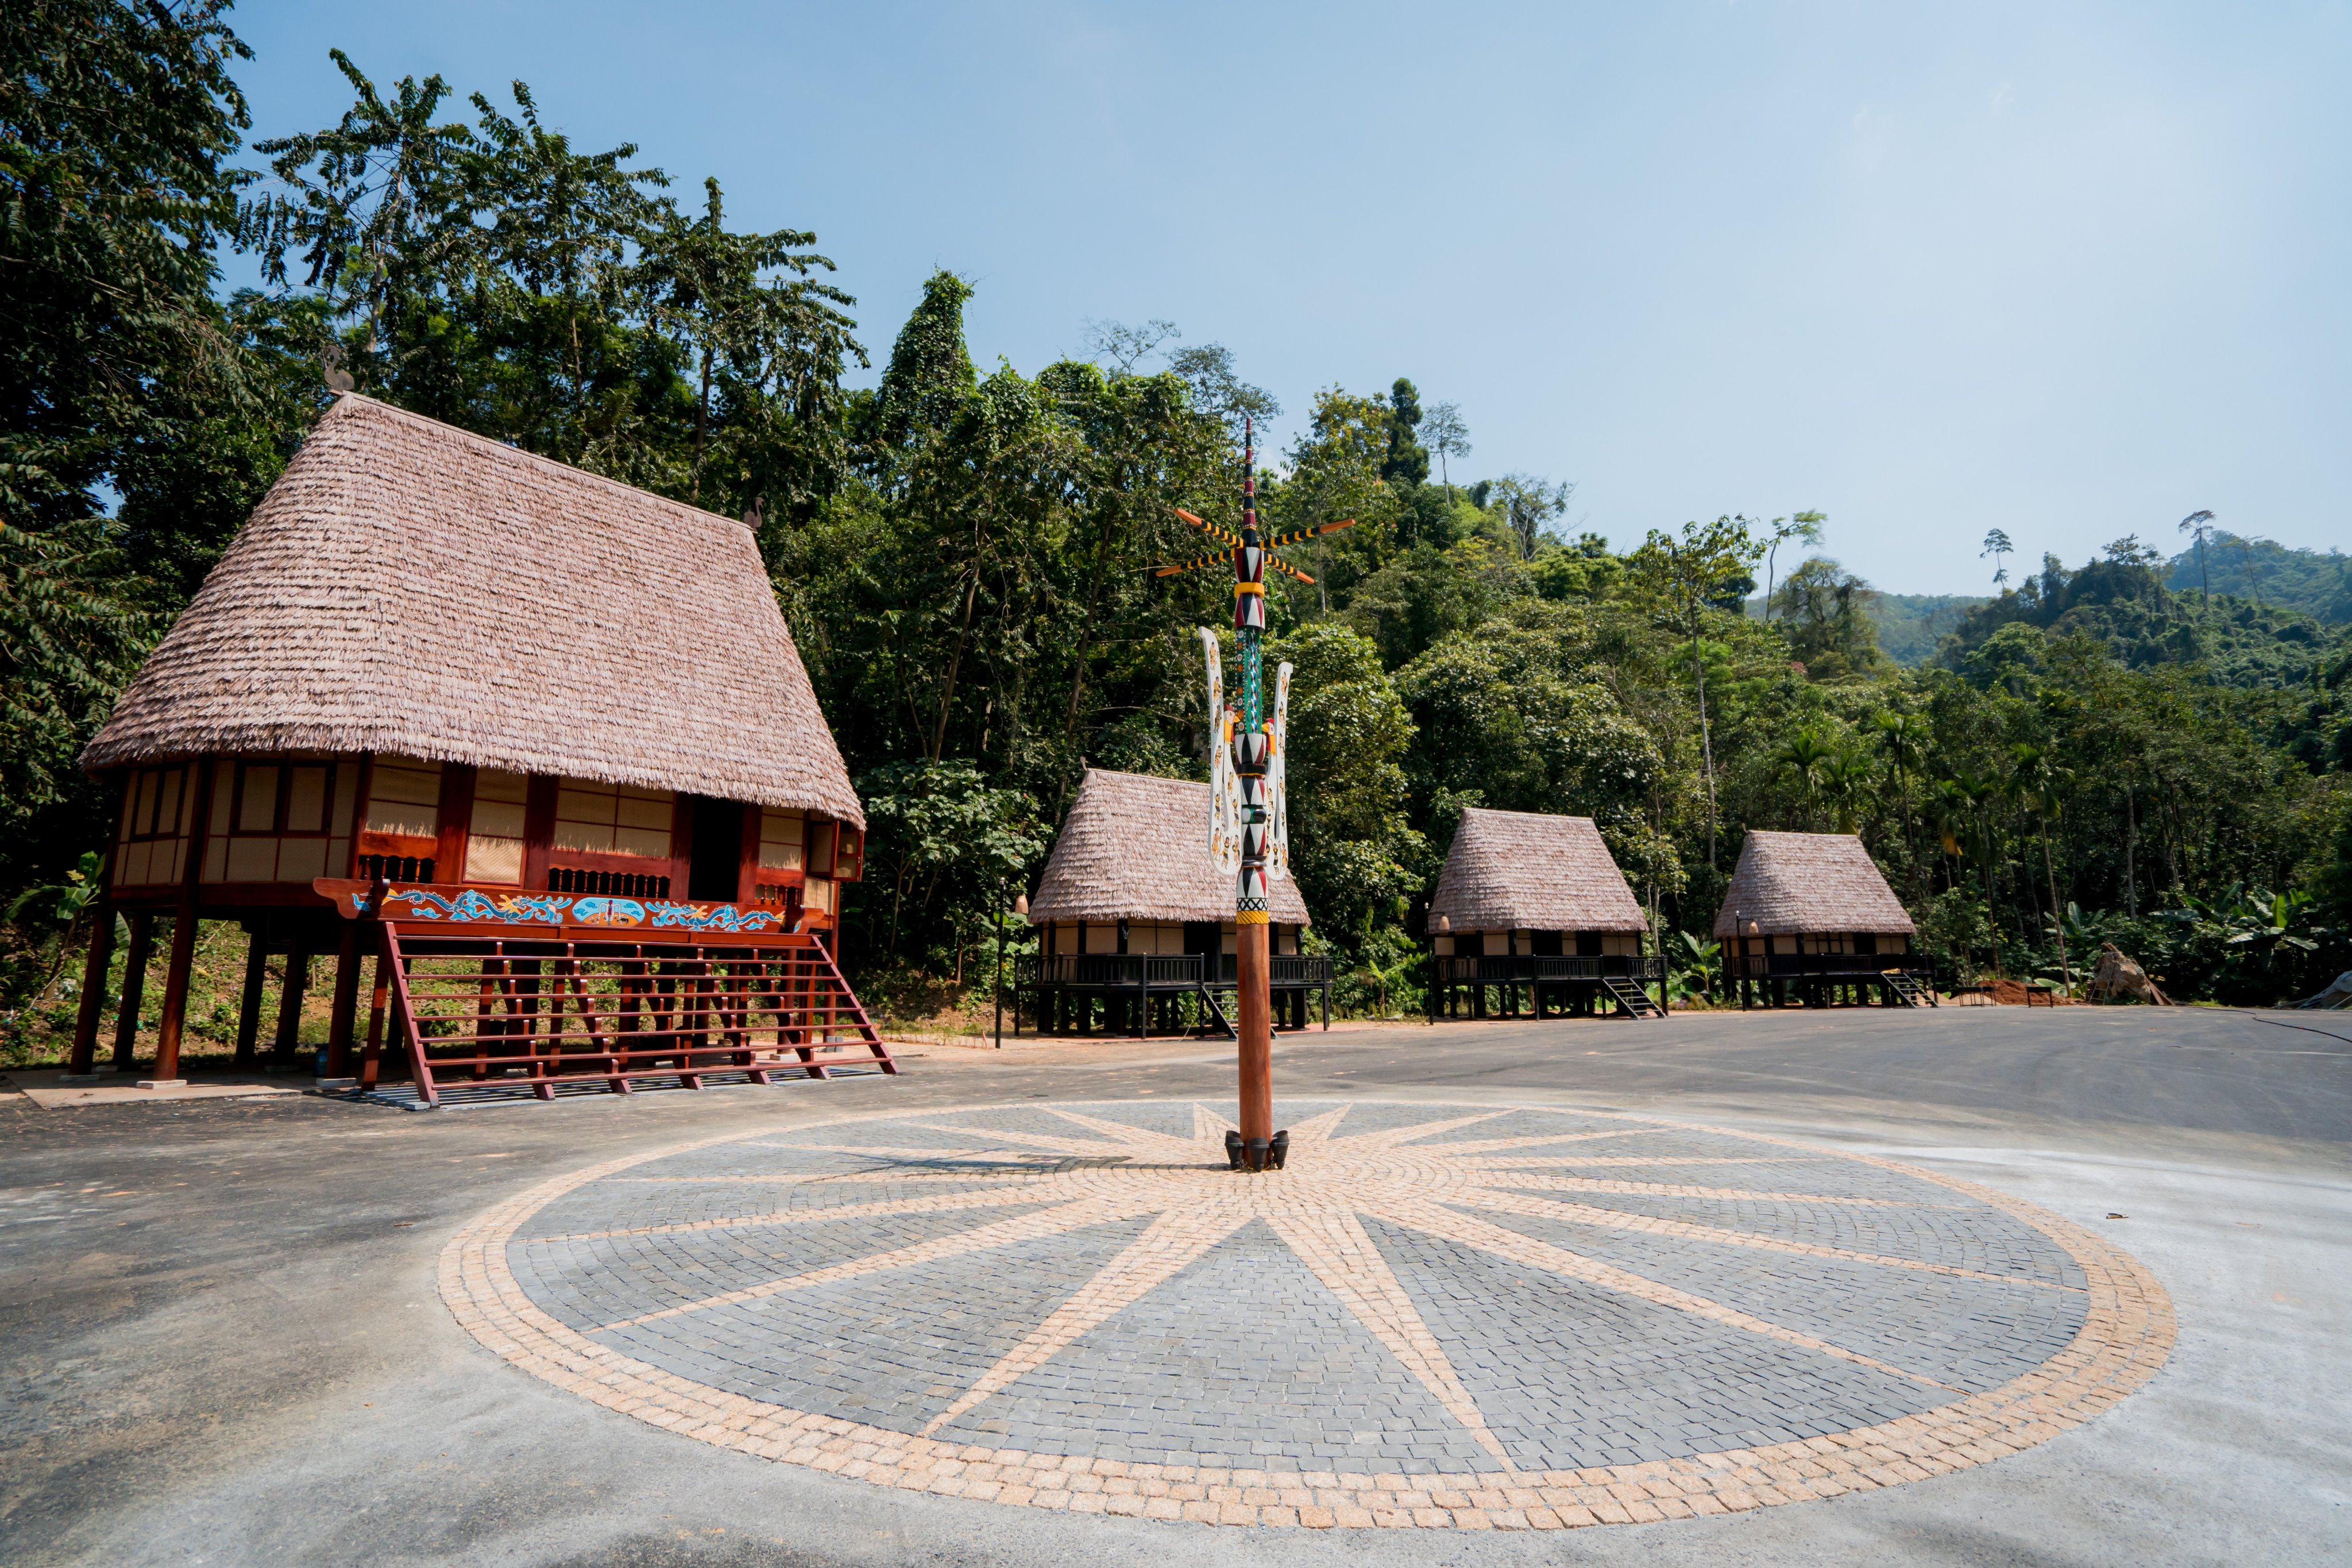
pixel 61 903
pixel 2262 920
pixel 1695 968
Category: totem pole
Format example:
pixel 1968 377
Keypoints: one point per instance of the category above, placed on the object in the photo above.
pixel 1248 808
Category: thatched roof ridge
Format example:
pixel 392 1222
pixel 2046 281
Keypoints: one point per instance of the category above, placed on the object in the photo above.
pixel 1136 848
pixel 1526 871
pixel 1803 883
pixel 409 588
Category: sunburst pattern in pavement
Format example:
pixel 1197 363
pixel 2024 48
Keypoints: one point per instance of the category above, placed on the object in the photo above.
pixel 1570 1291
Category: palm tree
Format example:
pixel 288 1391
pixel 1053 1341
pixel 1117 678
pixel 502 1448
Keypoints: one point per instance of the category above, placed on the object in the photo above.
pixel 2036 783
pixel 1804 754
pixel 1974 797
pixel 1903 740
pixel 1845 779
pixel 2198 527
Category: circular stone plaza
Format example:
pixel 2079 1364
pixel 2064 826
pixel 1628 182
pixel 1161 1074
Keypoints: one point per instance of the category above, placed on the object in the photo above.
pixel 1980 1284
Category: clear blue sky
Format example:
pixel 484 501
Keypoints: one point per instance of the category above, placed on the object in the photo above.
pixel 2075 271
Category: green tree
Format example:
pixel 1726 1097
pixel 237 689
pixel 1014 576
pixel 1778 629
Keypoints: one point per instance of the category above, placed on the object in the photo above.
pixel 1825 614
pixel 1805 527
pixel 1997 545
pixel 1444 433
pixel 116 122
pixel 1352 846
pixel 1684 579
pixel 1529 506
pixel 1407 462
pixel 764 338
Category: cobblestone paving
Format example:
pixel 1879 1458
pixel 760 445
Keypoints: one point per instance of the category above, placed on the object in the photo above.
pixel 1439 1316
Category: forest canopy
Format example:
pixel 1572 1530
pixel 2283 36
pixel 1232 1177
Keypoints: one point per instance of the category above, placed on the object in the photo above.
pixel 2109 751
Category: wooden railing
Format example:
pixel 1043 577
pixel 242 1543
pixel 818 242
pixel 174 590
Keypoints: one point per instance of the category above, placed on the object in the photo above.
pixel 610 884
pixel 1824 965
pixel 397 867
pixel 1153 971
pixel 1520 969
pixel 610 1010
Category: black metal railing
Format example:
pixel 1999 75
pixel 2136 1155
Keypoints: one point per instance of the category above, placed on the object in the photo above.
pixel 1521 969
pixel 1152 971
pixel 1824 965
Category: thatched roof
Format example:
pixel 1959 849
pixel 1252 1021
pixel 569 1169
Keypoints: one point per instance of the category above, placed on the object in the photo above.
pixel 1789 883
pixel 1137 847
pixel 406 587
pixel 1525 870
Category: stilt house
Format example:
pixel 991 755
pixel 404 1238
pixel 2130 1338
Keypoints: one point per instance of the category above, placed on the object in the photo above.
pixel 1133 917
pixel 444 699
pixel 1810 918
pixel 1532 909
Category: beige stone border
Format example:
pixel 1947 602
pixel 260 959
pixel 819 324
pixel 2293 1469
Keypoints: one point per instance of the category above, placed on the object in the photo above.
pixel 2126 1335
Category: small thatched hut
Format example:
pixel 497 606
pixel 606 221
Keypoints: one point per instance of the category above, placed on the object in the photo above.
pixel 1809 918
pixel 431 664
pixel 1133 915
pixel 1533 905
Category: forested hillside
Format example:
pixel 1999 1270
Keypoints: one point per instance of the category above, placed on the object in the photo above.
pixel 964 556
pixel 1912 626
pixel 2264 570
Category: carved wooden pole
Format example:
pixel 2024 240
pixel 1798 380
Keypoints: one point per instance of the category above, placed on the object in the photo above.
pixel 1252 747
pixel 1247 826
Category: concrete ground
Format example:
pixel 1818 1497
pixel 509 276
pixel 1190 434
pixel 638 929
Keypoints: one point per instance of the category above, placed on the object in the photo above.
pixel 221 1338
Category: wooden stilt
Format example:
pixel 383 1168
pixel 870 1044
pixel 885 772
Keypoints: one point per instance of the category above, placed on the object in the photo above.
pixel 176 994
pixel 93 991
pixel 289 1002
pixel 248 1011
pixel 347 1000
pixel 134 987
pixel 370 1063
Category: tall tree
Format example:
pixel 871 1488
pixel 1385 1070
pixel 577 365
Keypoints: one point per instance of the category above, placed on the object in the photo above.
pixel 1997 545
pixel 1407 462
pixel 1686 579
pixel 2198 526
pixel 758 331
pixel 1805 526
pixel 1528 505
pixel 116 122
pixel 1444 433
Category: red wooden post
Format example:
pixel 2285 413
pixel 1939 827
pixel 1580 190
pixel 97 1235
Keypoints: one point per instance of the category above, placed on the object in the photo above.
pixel 176 994
pixel 289 1002
pixel 93 990
pixel 397 963
pixel 347 1002
pixel 248 1010
pixel 370 1062
pixel 134 986
pixel 456 810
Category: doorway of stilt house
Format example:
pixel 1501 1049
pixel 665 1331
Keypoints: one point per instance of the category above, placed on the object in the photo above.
pixel 717 847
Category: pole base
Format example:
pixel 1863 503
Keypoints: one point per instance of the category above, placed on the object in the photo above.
pixel 1258 1153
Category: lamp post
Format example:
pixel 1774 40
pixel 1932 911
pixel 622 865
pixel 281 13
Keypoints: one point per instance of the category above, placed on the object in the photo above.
pixel 1438 986
pixel 1020 907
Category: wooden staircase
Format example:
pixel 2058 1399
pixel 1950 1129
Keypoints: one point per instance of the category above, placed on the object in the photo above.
pixel 1631 997
pixel 1906 991
pixel 1214 1008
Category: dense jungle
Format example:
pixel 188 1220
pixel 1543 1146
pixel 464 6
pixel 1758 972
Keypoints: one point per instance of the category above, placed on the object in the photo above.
pixel 2152 748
